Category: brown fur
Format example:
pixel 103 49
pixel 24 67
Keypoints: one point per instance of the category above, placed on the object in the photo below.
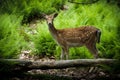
pixel 74 37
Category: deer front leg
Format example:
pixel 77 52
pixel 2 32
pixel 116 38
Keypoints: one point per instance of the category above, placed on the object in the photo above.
pixel 67 53
pixel 62 53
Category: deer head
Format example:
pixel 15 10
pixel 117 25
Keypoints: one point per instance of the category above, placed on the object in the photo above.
pixel 50 18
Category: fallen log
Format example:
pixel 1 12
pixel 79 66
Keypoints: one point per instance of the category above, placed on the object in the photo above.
pixel 29 65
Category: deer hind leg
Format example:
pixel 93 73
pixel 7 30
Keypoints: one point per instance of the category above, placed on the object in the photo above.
pixel 92 48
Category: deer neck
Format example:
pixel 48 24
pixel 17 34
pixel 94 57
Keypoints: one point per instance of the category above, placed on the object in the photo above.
pixel 52 29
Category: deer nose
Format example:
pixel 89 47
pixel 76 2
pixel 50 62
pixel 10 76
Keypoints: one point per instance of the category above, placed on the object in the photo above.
pixel 49 22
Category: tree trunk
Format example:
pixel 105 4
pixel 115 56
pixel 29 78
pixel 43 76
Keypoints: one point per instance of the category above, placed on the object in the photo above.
pixel 18 64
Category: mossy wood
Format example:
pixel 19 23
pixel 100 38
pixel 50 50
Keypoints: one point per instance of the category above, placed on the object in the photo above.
pixel 26 65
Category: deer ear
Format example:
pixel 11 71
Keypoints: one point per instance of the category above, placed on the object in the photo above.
pixel 44 15
pixel 55 15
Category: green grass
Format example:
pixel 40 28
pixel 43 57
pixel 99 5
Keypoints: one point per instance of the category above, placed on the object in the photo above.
pixel 16 37
pixel 9 38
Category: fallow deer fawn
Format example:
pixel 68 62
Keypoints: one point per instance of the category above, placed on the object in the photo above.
pixel 74 37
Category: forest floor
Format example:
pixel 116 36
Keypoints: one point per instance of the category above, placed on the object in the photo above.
pixel 63 74
pixel 79 73
pixel 74 73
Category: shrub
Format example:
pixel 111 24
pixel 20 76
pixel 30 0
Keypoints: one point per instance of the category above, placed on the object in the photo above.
pixel 10 41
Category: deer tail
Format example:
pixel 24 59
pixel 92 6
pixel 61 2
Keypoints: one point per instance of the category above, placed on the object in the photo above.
pixel 98 34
